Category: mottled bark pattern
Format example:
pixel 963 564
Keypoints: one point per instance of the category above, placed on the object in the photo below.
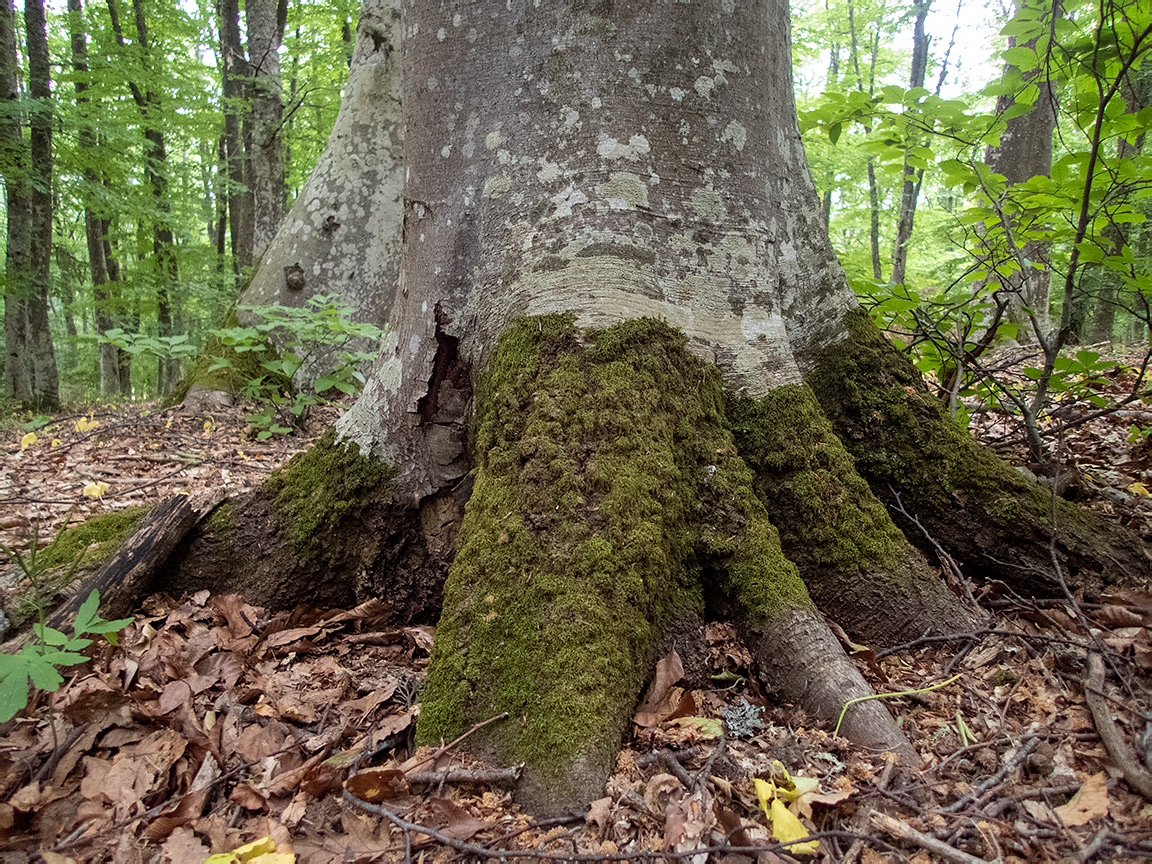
pixel 606 159
pixel 344 230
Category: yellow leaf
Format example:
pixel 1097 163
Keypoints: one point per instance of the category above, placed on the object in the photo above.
pixel 95 489
pixel 27 441
pixel 1139 489
pixel 786 828
pixel 86 424
pixel 55 442
pixel 208 426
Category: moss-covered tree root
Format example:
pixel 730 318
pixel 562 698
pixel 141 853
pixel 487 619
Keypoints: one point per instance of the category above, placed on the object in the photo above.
pixel 606 486
pixel 857 564
pixel 984 512
pixel 325 528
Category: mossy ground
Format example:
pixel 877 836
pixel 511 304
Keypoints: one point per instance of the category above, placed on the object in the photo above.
pixel 87 545
pixel 320 488
pixel 606 482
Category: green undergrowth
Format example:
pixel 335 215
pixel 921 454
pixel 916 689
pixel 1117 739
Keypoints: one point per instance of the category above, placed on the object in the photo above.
pixel 244 367
pixel 596 455
pixel 320 488
pixel 826 514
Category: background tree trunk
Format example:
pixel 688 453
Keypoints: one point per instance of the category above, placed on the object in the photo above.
pixel 343 234
pixel 236 74
pixel 265 19
pixel 910 190
pixel 30 376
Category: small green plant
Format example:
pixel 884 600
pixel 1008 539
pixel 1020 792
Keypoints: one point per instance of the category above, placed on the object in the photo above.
pixel 320 335
pixel 50 650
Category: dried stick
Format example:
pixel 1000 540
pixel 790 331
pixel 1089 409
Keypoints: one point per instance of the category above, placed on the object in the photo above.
pixel 905 832
pixel 1118 748
pixel 436 754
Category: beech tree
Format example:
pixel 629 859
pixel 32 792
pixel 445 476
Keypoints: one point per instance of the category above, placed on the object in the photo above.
pixel 626 388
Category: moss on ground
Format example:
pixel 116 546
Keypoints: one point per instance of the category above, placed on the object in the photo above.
pixel 95 540
pixel 598 456
pixel 321 487
pixel 87 545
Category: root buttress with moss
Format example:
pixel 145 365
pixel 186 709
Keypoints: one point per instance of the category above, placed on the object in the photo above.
pixel 609 502
pixel 985 513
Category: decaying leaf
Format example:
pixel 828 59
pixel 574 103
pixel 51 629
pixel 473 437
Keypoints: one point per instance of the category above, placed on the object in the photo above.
pixel 1091 802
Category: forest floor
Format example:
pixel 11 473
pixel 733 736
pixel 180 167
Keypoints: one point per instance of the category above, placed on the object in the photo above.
pixel 217 723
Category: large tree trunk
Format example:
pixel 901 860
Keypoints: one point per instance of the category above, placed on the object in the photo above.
pixel 343 234
pixel 622 338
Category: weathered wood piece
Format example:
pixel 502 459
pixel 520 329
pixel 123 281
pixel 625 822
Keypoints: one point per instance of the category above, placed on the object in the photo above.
pixel 129 574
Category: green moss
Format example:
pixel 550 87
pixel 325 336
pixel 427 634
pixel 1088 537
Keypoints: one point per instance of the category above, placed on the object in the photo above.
pixel 321 487
pixel 582 537
pixel 90 543
pixel 222 518
pixel 900 434
pixel 826 514
pixel 95 539
pixel 245 366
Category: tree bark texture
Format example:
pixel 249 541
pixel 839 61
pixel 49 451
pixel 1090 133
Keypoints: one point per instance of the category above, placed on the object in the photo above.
pixel 236 74
pixel 1025 151
pixel 910 189
pixel 266 156
pixel 30 375
pixel 343 234
pixel 103 298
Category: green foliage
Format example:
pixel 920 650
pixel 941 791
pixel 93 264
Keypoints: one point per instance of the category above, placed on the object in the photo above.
pixel 320 335
pixel 50 650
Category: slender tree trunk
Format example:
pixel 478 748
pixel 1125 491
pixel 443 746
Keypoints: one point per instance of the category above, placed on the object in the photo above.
pixel 266 156
pixel 236 75
pixel 30 359
pixel 1025 151
pixel 873 189
pixel 910 189
pixel 107 353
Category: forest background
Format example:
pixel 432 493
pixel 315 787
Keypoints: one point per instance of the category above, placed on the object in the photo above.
pixel 981 166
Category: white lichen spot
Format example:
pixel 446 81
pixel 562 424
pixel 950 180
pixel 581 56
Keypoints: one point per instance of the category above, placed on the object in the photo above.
pixel 707 205
pixel 457 20
pixel 548 172
pixel 432 82
pixel 493 140
pixel 496 187
pixel 441 34
pixel 735 134
pixel 445 152
pixel 571 116
pixel 727 6
pixel 704 86
pixel 471 35
pixel 623 191
pixel 566 200
pixel 609 148
pixel 676 93
pixel 503 157
pixel 633 73
pixel 595 102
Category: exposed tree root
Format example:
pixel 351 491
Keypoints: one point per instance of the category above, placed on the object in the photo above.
pixel 984 512
pixel 607 485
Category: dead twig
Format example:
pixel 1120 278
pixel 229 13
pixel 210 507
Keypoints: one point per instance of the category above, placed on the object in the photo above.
pixel 1122 753
pixel 905 832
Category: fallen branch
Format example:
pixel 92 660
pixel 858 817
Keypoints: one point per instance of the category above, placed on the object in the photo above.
pixel 1118 748
pixel 490 776
pixel 905 832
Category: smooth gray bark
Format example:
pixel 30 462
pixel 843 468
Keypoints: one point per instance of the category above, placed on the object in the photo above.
pixel 266 155
pixel 644 162
pixel 343 233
